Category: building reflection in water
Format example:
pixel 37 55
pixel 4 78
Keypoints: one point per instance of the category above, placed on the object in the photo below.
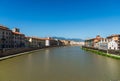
pixel 46 60
pixel 112 66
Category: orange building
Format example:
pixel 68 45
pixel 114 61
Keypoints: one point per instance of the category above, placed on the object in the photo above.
pixel 92 42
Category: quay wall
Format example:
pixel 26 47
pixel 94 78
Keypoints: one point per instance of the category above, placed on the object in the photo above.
pixel 14 51
pixel 109 53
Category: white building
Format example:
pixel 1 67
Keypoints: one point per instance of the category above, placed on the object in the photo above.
pixel 106 44
pixel 113 45
pixel 77 43
pixel 51 42
pixel 96 45
pixel 47 42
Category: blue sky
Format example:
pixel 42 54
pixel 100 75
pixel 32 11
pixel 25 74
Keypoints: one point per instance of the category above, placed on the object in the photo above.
pixel 62 18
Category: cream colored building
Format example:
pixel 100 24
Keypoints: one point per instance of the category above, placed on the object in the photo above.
pixel 42 42
pixel 77 43
pixel 35 42
pixel 18 38
pixel 65 42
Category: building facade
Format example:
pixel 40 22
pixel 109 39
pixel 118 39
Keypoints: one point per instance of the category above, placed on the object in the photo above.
pixel 92 42
pixel 5 37
pixel 35 42
pixel 18 38
pixel 52 42
pixel 107 44
pixel 65 42
pixel 116 38
pixel 77 43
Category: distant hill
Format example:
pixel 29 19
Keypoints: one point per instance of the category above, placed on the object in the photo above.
pixel 71 39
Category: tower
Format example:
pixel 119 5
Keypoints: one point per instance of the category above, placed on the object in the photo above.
pixel 16 30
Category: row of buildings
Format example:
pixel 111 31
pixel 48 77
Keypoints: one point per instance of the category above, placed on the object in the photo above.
pixel 109 43
pixel 15 39
pixel 11 38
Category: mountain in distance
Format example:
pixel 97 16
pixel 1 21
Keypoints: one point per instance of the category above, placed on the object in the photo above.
pixel 71 39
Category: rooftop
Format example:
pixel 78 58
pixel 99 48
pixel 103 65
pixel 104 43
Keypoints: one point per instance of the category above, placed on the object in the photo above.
pixel 113 35
pixel 4 28
pixel 33 37
pixel 18 33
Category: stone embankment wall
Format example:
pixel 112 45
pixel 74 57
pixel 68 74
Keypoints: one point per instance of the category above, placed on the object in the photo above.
pixel 13 51
pixel 7 52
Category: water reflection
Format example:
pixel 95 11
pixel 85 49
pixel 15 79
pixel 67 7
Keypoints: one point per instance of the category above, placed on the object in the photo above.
pixel 113 66
pixel 46 60
pixel 47 54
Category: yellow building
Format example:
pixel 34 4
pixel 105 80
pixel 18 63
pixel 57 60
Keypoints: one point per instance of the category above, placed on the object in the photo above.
pixel 65 42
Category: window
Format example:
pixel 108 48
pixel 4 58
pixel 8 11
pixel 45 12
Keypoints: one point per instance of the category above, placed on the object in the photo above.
pixel 109 47
pixel 112 46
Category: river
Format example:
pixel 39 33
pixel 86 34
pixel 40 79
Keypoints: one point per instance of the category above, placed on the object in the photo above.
pixel 60 64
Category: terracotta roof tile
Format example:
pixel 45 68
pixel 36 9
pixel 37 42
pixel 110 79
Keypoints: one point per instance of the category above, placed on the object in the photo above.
pixel 4 28
pixel 114 35
pixel 18 33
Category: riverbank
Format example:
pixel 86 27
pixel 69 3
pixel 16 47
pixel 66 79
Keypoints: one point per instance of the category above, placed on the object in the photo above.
pixel 22 52
pixel 19 54
pixel 102 53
